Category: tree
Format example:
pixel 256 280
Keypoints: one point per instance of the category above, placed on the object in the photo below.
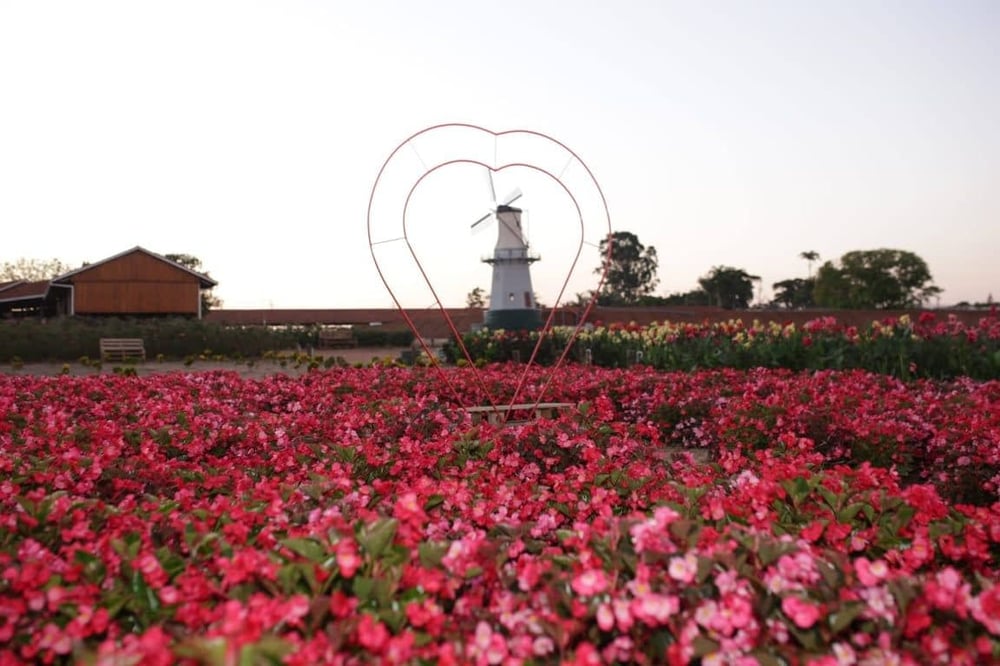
pixel 694 297
pixel 729 287
pixel 881 279
pixel 476 298
pixel 631 269
pixel 208 300
pixel 794 293
pixel 810 256
pixel 32 270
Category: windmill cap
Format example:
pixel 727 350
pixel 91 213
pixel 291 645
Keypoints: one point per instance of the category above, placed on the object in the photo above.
pixel 507 209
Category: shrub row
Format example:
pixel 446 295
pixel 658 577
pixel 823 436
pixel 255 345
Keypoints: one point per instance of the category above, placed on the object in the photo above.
pixel 68 339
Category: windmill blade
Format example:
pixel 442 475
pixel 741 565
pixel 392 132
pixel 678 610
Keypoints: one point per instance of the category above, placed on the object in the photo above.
pixel 488 216
pixel 512 197
pixel 493 190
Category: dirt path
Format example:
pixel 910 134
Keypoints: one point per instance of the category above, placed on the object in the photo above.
pixel 255 370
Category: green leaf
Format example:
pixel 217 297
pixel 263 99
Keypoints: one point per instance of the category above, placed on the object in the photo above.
pixel 681 528
pixel 288 577
pixel 768 553
pixel 310 549
pixel 807 638
pixel 831 574
pixel 848 513
pixel 902 592
pixel 375 538
pixel 937 529
pixel 431 553
pixel 433 501
pixel 562 508
pixel 832 498
pixel 172 563
pixel 798 488
pixel 843 618
pixel 705 566
pixel 268 650
pixel 394 618
pixel 382 591
pixel 565 535
pixel 704 646
pixel 363 588
pixel 208 651
pixel 765 659
pixel 127 546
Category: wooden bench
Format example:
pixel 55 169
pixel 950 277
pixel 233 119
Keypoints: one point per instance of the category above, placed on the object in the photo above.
pixel 337 337
pixel 495 415
pixel 122 349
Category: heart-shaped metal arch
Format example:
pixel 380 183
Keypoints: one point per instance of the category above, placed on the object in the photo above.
pixel 547 327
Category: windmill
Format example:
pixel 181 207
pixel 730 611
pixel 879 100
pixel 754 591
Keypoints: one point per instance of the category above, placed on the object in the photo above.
pixel 512 300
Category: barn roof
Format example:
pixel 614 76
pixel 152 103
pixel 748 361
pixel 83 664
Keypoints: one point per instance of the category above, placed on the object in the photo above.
pixel 22 290
pixel 205 281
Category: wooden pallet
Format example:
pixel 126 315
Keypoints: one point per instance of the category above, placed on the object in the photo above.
pixel 337 337
pixel 122 349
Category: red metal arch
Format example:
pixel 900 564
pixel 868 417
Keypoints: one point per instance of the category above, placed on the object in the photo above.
pixel 547 327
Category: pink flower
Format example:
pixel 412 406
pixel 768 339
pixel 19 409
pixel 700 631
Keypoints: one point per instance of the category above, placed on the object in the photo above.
pixel 870 572
pixel 623 614
pixel 684 569
pixel 800 611
pixel 605 617
pixel 348 560
pixel 53 638
pixel 408 509
pixel 664 516
pixel 151 570
pixel 590 582
pixel 542 646
pixel 169 595
pixel 655 609
pixel 488 646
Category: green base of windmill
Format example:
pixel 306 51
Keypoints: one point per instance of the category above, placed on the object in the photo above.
pixel 514 320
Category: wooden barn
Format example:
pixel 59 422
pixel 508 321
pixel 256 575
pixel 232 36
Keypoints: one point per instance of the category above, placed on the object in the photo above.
pixel 136 282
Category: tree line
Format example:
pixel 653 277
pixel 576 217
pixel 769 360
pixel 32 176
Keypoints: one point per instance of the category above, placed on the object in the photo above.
pixel 860 279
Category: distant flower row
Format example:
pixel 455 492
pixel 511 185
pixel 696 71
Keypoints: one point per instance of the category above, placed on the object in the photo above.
pixel 358 516
pixel 927 347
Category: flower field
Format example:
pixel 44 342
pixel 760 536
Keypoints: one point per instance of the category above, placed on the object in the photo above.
pixel 351 515
pixel 904 347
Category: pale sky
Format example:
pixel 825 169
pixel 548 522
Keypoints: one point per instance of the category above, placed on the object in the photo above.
pixel 741 133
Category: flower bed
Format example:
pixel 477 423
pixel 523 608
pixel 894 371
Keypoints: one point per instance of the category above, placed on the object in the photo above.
pixel 355 516
pixel 927 347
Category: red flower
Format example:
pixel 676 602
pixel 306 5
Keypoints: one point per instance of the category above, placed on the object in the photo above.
pixel 986 609
pixel 372 634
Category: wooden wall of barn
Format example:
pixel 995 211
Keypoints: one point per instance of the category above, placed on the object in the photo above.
pixel 136 284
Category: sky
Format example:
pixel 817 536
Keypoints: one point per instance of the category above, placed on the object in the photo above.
pixel 250 134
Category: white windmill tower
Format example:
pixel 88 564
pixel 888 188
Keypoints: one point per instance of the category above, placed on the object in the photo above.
pixel 512 300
